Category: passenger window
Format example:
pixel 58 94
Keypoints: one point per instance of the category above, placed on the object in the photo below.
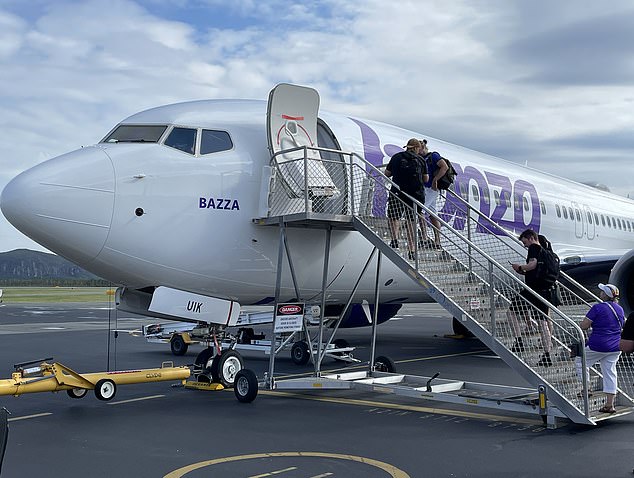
pixel 183 139
pixel 571 214
pixel 496 195
pixel 589 218
pixel 464 191
pixel 558 209
pixel 565 212
pixel 475 192
pixel 485 195
pixel 618 221
pixel 543 207
pixel 613 223
pixel 525 201
pixel 577 215
pixel 516 201
pixel 507 198
pixel 596 218
pixel 608 221
pixel 602 220
pixel 215 141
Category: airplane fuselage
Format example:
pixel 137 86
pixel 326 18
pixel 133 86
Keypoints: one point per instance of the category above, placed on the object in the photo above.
pixel 143 214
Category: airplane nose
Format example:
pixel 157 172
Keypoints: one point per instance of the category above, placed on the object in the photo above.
pixel 65 203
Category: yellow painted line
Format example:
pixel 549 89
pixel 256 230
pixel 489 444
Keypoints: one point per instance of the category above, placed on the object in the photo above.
pixel 136 399
pixel 26 417
pixel 291 468
pixel 411 408
pixel 323 475
pixel 389 469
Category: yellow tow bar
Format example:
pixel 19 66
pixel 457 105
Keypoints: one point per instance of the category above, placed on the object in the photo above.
pixel 54 377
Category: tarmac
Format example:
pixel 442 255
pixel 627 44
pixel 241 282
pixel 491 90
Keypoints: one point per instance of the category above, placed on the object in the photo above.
pixel 158 430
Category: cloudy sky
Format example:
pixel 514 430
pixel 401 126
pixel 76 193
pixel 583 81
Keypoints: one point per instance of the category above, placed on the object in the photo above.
pixel 545 83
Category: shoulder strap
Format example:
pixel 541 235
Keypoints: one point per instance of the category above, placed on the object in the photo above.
pixel 615 314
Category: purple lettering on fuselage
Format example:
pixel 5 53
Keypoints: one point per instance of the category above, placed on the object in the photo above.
pixel 505 195
pixel 373 154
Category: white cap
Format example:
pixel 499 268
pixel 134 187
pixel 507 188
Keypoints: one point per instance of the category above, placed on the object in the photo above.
pixel 610 290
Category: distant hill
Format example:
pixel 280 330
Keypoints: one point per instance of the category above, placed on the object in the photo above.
pixel 27 267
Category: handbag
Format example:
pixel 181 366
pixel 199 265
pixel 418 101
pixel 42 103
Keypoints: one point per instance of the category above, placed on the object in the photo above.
pixel 575 349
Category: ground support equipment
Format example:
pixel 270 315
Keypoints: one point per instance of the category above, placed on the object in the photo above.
pixel 54 377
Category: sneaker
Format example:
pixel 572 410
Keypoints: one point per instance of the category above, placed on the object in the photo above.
pixel 411 255
pixel 426 243
pixel 518 346
pixel 394 244
pixel 544 361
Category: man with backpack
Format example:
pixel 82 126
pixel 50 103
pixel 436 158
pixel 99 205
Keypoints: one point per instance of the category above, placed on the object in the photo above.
pixel 541 271
pixel 407 169
pixel 436 168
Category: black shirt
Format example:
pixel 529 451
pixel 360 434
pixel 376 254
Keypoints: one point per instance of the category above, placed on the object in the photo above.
pixel 531 276
pixel 407 176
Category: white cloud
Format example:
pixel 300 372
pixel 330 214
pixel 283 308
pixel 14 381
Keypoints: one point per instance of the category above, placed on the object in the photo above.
pixel 474 73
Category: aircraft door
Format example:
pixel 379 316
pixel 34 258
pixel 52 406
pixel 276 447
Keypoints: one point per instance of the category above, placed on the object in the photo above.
pixel 579 220
pixel 291 123
pixel 590 221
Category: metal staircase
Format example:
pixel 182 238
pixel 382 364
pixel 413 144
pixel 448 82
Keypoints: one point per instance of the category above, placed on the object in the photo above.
pixel 470 276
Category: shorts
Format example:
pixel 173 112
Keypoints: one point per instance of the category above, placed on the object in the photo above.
pixel 431 199
pixel 519 302
pixel 399 204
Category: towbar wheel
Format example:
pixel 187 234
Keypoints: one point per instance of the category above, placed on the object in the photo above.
pixel 245 386
pixel 105 389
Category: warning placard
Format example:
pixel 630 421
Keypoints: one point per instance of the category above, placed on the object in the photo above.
pixel 289 317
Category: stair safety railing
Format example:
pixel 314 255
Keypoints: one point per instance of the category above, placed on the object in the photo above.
pixel 468 275
pixel 574 299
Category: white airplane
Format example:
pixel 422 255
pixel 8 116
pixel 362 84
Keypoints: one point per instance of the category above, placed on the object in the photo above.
pixel 164 205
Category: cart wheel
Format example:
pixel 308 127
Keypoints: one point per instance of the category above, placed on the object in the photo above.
pixel 178 345
pixel 225 367
pixel 384 364
pixel 77 392
pixel 246 386
pixel 203 358
pixel 105 389
pixel 299 353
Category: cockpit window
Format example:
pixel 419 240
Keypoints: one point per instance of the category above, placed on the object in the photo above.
pixel 214 141
pixel 132 133
pixel 183 139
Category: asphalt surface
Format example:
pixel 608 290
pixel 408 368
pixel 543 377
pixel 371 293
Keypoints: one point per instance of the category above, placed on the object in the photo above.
pixel 156 430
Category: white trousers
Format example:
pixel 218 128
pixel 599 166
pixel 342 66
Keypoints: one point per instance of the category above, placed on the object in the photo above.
pixel 608 367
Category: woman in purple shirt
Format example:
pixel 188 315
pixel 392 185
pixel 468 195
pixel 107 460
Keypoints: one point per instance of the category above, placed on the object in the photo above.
pixel 606 320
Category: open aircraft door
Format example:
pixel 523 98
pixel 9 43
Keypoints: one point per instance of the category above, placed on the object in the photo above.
pixel 292 123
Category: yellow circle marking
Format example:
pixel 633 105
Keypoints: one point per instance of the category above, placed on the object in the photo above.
pixel 391 470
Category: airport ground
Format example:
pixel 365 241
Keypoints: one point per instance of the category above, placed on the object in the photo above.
pixel 156 430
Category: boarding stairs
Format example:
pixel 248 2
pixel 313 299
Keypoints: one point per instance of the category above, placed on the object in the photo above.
pixel 469 276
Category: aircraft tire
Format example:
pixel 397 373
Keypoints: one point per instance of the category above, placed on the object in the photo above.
pixel 460 329
pixel 299 353
pixel 178 345
pixel 105 389
pixel 225 367
pixel 202 359
pixel 77 392
pixel 384 364
pixel 245 386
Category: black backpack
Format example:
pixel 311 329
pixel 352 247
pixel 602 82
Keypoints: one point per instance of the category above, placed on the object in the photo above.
pixel 547 267
pixel 448 178
pixel 411 174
